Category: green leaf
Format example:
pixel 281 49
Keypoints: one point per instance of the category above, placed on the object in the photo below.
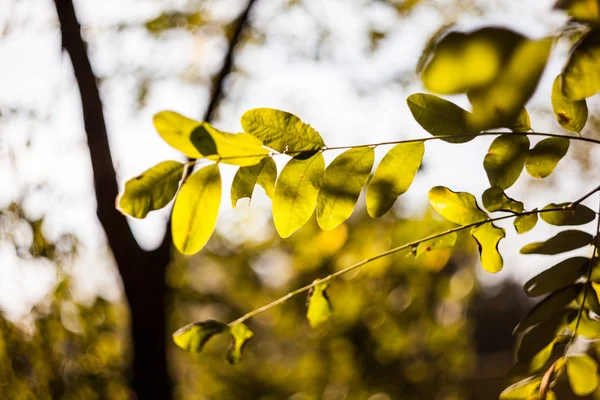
pixel 545 155
pixel 499 103
pixel 494 199
pixel 296 193
pixel 488 237
pixel 581 75
pixel 439 117
pixel 522 123
pixel 577 215
pixel 522 390
pixel 393 176
pixel 342 183
pixel 196 209
pixel 563 241
pixel 151 190
pixel 548 307
pixel 240 334
pixel 442 242
pixel 281 130
pixel 525 223
pixel 590 328
pixel 580 10
pixel 176 130
pixel 240 149
pixel 562 274
pixel 319 306
pixel 540 337
pixel 263 174
pixel 571 115
pixel 505 159
pixel 458 207
pixel 582 371
pixel 463 61
pixel 194 336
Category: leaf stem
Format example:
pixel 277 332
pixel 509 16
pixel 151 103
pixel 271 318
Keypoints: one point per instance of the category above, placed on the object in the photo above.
pixel 378 256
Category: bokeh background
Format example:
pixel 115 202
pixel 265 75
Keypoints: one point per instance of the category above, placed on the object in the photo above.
pixel 435 327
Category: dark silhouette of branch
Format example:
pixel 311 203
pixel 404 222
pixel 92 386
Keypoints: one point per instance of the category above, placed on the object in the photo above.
pixel 142 272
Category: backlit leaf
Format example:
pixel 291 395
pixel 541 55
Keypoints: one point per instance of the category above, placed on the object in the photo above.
pixel 522 390
pixel 522 123
pixel 151 190
pixel 343 181
pixel 562 274
pixel 281 130
pixel 393 176
pixel 499 103
pixel 296 192
pixel 439 117
pixel 577 215
pixel 463 61
pixel 494 199
pixel 196 209
pixel 582 371
pixel 176 130
pixel 545 155
pixel 571 115
pixel 525 223
pixel 589 328
pixel 581 75
pixel 488 237
pixel 580 10
pixel 505 159
pixel 319 306
pixel 194 336
pixel 540 336
pixel 240 334
pixel 563 241
pixel 263 174
pixel 240 149
pixel 458 207
pixel 443 242
pixel 548 307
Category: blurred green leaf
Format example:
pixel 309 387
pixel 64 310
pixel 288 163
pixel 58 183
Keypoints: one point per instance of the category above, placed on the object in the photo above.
pixel 194 336
pixel 580 10
pixel 240 149
pixel 545 155
pixel 393 176
pixel 263 174
pixel 525 223
pixel 560 275
pixel 560 243
pixel 196 209
pixel 240 334
pixel 522 390
pixel 439 117
pixel 582 371
pixel 571 115
pixel 581 75
pixel 151 190
pixel 488 237
pixel 548 307
pixel 442 242
pixel 494 199
pixel 463 61
pixel 318 305
pixel 281 130
pixel 296 192
pixel 343 181
pixel 173 20
pixel 577 215
pixel 505 159
pixel 458 207
pixel 499 103
pixel 176 130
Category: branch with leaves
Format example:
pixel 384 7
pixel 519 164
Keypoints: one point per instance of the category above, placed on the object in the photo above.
pixel 498 70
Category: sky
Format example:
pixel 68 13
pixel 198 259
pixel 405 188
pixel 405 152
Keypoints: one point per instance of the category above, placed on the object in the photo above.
pixel 314 59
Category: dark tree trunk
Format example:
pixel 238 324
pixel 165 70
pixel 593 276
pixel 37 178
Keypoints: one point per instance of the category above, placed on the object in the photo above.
pixel 142 272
